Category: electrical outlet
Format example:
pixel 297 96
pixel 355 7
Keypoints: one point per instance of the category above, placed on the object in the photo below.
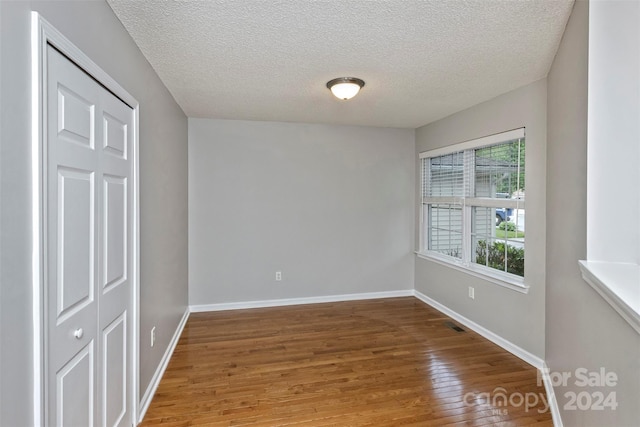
pixel 278 276
pixel 153 336
pixel 472 293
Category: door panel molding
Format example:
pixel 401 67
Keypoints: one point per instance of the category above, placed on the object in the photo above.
pixel 68 100
pixel 44 34
pixel 72 372
pixel 114 335
pixel 114 248
pixel 72 265
pixel 111 145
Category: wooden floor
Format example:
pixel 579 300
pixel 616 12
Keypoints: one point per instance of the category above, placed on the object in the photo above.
pixel 387 362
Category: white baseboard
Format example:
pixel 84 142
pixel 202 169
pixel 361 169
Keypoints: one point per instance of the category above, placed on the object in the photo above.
pixel 523 354
pixel 297 301
pixel 551 396
pixel 157 376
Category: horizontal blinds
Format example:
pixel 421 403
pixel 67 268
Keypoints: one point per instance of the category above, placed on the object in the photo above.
pixel 425 177
pixel 445 229
pixel 477 177
pixel 446 176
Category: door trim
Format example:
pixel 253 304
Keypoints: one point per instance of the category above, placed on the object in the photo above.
pixel 43 34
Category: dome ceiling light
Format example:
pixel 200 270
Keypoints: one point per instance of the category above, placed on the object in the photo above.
pixel 345 87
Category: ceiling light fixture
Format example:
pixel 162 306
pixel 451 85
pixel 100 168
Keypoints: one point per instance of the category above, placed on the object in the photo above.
pixel 345 87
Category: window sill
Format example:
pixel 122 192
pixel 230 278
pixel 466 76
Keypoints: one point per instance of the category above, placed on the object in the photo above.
pixel 501 279
pixel 618 284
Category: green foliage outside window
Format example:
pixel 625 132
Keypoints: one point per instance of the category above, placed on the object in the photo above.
pixel 494 256
pixel 508 225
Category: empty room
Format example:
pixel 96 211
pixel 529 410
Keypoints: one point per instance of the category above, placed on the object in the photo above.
pixel 319 213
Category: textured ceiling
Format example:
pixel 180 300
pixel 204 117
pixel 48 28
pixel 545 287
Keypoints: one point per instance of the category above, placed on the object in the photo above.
pixel 270 60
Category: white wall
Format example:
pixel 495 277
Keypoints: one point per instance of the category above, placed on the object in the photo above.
pixel 583 330
pixel 614 132
pixel 329 206
pixel 93 27
pixel 516 317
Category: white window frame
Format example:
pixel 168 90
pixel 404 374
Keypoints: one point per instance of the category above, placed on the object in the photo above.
pixel 508 280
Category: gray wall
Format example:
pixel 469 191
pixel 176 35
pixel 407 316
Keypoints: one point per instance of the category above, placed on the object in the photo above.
pixel 163 185
pixel 583 331
pixel 614 131
pixel 514 316
pixel 329 206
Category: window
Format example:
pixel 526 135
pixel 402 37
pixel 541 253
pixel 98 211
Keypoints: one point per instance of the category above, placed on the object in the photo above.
pixel 473 205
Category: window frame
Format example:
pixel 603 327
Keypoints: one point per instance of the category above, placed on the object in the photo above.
pixel 467 202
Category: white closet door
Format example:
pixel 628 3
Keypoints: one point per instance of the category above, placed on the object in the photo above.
pixel 88 249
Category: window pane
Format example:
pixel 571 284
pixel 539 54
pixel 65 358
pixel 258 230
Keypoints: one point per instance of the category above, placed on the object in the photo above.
pixel 497 238
pixel 445 229
pixel 499 170
pixel 446 175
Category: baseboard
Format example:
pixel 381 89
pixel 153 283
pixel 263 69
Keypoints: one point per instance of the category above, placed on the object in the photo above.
pixel 298 301
pixel 523 354
pixel 551 396
pixel 157 376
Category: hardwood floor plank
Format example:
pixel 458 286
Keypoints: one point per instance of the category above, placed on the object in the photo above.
pixel 390 362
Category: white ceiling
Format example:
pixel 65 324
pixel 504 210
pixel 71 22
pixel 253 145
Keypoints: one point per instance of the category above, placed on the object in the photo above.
pixel 270 60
